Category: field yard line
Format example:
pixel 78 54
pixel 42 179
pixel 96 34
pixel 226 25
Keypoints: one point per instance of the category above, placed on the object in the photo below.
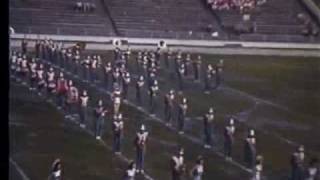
pixel 20 171
pixel 191 138
pixel 249 111
pixel 11 123
pixel 256 99
pixel 146 176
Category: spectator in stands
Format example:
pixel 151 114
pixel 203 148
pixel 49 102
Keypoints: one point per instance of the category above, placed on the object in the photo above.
pixel 261 2
pixel 78 6
pixel 243 5
pixel 85 6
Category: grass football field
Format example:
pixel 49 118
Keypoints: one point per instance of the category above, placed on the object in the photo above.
pixel 277 96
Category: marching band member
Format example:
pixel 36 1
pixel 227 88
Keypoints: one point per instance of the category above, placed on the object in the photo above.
pixel 127 54
pixel 100 113
pixel 186 63
pixel 151 75
pixel 177 62
pixel 56 171
pixel 13 63
pixel 107 74
pixel 86 68
pixel 208 78
pixel 33 74
pixel 168 107
pixel 72 98
pixel 298 164
pixel 257 171
pixel 182 111
pixel 94 65
pixel 116 98
pixel 139 61
pixel 52 50
pixel 197 68
pixel 83 108
pixel 76 62
pixel 68 59
pixel 219 71
pixel 130 172
pixel 140 142
pixel 24 45
pixel 126 81
pixel 63 57
pixel 198 170
pixel 177 165
pixel 313 171
pixel 37 48
pixel 18 67
pixel 208 119
pixel 24 69
pixel 153 90
pixel 229 131
pixel 117 53
pixel 51 82
pixel 116 76
pixel 139 86
pixel 41 83
pixel 117 127
pixel 168 58
pixel 250 151
pixel 62 88
pixel 145 64
pixel 181 72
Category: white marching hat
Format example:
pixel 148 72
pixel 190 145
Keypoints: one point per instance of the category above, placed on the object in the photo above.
pixel 142 128
pixel 251 132
pixel 231 121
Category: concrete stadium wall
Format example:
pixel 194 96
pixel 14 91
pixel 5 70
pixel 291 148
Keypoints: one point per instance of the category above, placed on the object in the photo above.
pixel 198 46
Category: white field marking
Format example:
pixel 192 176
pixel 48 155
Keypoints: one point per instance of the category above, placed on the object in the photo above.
pixel 20 171
pixel 146 176
pixel 12 123
pixel 255 99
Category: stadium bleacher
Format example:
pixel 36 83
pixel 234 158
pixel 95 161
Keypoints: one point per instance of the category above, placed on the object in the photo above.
pixel 275 20
pixel 161 17
pixel 56 17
